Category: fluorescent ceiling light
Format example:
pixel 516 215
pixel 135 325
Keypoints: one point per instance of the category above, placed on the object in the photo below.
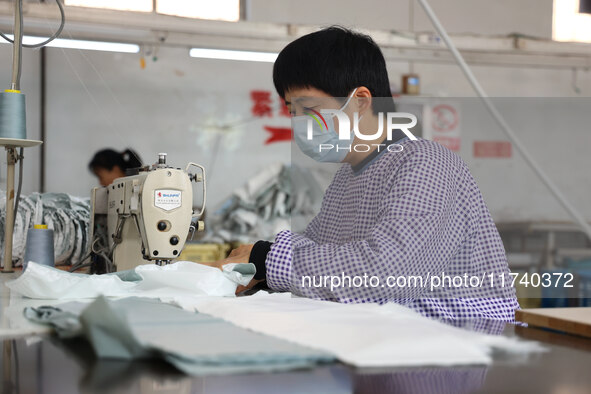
pixel 95 45
pixel 233 55
pixel 82 44
pixel 123 5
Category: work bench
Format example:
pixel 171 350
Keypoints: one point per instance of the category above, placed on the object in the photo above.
pixel 35 362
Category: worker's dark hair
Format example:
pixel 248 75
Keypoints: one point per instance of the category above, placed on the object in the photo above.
pixel 109 158
pixel 335 60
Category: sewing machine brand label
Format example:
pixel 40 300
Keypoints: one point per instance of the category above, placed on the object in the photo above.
pixel 167 199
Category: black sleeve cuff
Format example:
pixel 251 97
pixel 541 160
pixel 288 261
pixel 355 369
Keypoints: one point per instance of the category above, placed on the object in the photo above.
pixel 258 256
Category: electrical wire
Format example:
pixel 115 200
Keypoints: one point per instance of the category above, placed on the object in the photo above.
pixel 17 46
pixel 20 179
pixel 50 39
pixel 80 263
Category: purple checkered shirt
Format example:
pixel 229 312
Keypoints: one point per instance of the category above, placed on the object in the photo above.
pixel 415 213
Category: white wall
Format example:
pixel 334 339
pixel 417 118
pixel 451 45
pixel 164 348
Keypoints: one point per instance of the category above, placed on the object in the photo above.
pixel 104 100
pixel 556 137
pixel 556 133
pixel 531 17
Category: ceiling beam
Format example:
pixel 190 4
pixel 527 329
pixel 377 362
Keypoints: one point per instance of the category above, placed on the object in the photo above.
pixel 157 29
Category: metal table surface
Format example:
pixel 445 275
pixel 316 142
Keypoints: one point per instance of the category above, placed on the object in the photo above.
pixel 40 363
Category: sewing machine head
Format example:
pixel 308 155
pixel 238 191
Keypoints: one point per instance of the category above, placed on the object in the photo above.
pixel 147 216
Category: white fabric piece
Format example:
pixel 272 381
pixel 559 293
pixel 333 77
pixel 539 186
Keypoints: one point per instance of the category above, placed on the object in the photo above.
pixel 362 335
pixel 178 279
pixel 43 282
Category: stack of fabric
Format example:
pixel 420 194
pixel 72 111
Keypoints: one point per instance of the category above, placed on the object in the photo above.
pixel 66 215
pixel 278 198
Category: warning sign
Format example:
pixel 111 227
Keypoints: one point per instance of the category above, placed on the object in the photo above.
pixel 445 118
pixel 442 124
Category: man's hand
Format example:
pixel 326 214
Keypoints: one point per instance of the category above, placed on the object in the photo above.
pixel 242 251
pixel 239 255
pixel 250 285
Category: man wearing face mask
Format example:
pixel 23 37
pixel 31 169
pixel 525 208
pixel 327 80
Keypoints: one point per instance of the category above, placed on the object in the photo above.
pixel 413 212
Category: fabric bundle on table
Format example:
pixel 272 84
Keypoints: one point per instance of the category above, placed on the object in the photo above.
pixel 138 328
pixel 196 343
pixel 362 335
pixel 269 202
pixel 66 215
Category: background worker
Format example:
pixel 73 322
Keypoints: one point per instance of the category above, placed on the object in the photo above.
pixel 108 164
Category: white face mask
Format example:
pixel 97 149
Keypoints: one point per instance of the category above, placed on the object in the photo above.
pixel 311 147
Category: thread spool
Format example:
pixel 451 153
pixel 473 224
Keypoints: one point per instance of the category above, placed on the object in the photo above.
pixel 13 123
pixel 39 248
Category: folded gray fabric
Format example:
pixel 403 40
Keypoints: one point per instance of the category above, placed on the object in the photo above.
pixel 65 323
pixel 196 343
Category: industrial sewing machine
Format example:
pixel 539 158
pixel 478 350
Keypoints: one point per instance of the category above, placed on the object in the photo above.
pixel 144 217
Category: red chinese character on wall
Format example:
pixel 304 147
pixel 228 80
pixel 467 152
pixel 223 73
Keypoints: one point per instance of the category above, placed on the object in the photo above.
pixel 278 134
pixel 261 103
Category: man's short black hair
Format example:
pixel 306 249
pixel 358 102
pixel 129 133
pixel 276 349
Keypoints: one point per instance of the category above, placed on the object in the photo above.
pixel 335 60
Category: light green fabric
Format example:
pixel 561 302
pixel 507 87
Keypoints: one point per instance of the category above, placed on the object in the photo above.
pixel 196 343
